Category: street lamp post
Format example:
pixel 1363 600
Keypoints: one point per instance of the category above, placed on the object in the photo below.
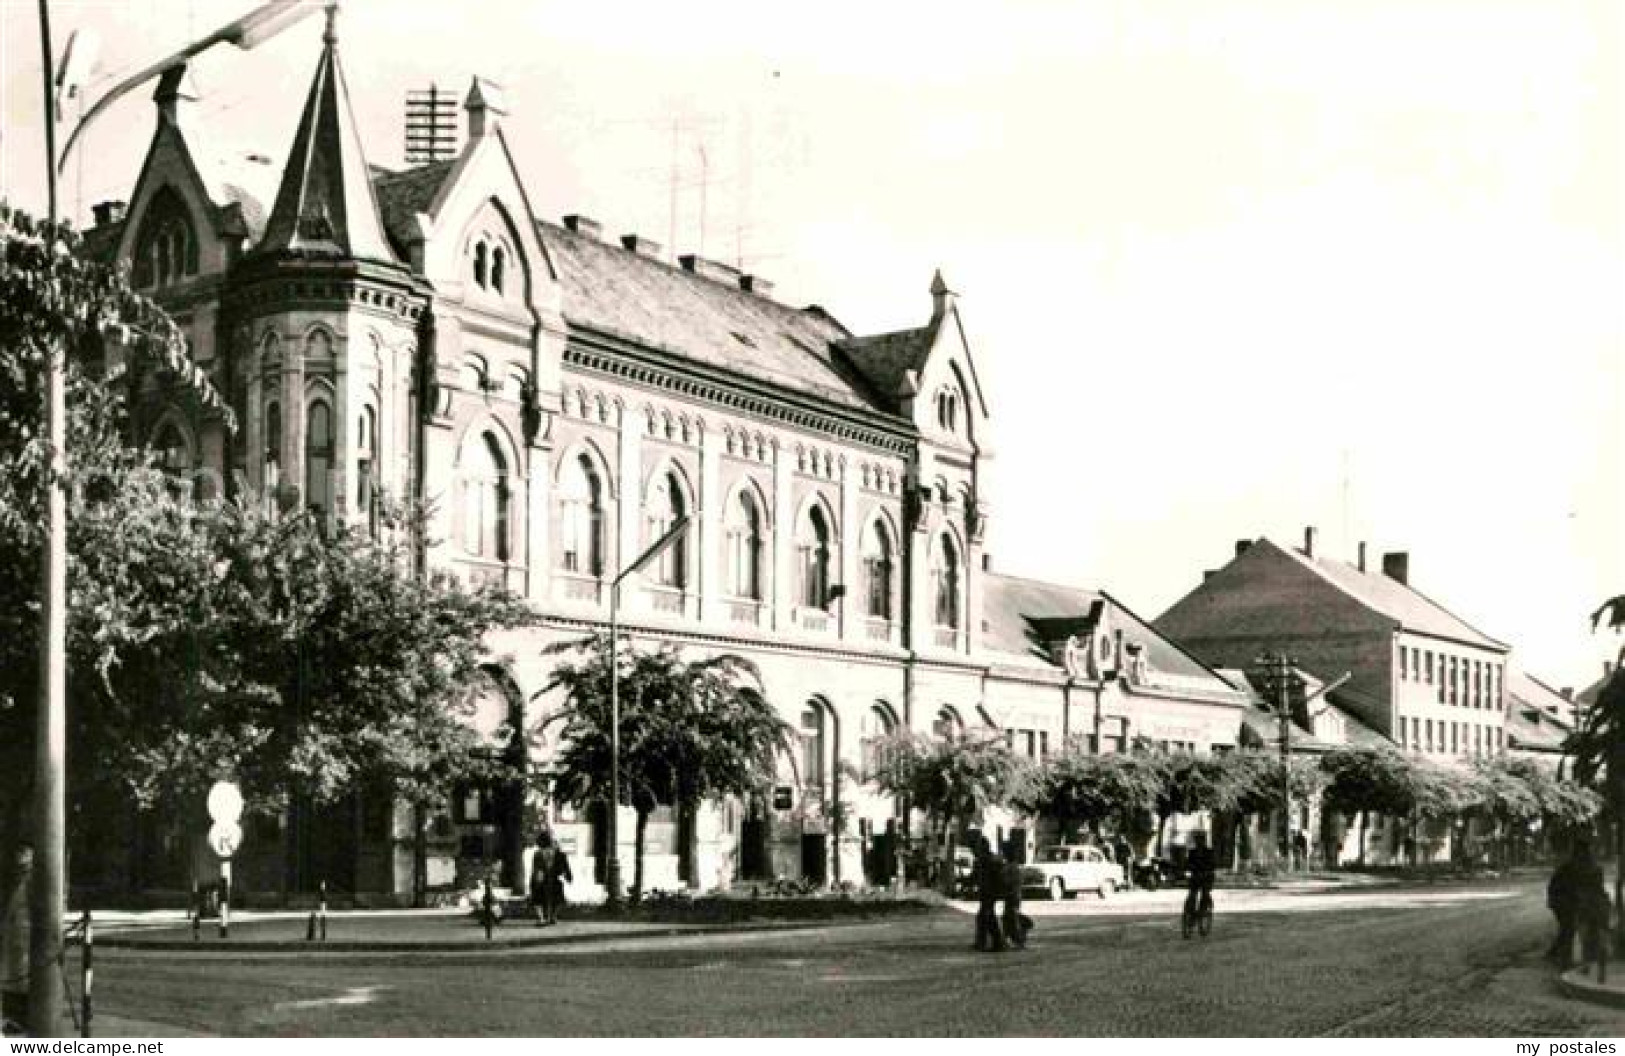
pixel 612 869
pixel 47 901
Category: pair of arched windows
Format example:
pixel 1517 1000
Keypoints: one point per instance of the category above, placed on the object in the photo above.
pixel 746 546
pixel 948 410
pixel 490 266
pixel 166 249
pixel 487 499
pixel 581 518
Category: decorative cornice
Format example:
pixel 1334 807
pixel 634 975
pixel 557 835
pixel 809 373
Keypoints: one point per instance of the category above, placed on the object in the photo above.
pixel 603 354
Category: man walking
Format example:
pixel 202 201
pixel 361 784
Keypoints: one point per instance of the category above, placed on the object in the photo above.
pixel 988 874
pixel 549 872
pixel 1015 924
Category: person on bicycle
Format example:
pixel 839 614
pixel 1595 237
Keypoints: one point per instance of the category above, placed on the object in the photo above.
pixel 1202 867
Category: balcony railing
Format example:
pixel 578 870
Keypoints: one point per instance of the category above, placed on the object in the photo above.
pixel 667 600
pixel 813 620
pixel 573 587
pixel 744 611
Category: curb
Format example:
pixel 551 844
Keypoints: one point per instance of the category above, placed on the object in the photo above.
pixel 1578 985
pixel 473 946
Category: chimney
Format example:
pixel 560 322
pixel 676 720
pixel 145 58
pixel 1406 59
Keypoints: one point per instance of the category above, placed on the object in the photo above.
pixel 1242 546
pixel 641 246
pixel 1309 542
pixel 756 284
pixel 583 226
pixel 485 106
pixel 1567 693
pixel 987 562
pixel 1397 566
pixel 942 298
pixel 108 212
pixel 1362 556
pixel 710 269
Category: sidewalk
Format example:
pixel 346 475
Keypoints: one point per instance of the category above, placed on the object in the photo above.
pixel 432 930
pixel 1581 984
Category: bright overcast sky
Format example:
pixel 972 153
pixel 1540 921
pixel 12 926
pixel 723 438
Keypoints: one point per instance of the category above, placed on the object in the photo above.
pixel 1229 268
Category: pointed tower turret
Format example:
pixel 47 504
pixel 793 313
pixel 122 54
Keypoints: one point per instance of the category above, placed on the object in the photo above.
pixel 325 204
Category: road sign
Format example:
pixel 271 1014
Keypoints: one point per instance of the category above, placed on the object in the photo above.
pixel 225 837
pixel 225 802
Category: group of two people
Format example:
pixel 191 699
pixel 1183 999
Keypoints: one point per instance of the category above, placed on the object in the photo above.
pixel 997 878
pixel 1578 897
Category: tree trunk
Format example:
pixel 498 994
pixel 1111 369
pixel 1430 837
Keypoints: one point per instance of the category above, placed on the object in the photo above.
pixel 1162 828
pixel 1365 817
pixel 637 855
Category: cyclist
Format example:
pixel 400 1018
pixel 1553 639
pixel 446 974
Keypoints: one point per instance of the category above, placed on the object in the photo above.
pixel 1201 866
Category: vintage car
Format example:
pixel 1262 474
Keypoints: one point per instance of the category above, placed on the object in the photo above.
pixel 1067 869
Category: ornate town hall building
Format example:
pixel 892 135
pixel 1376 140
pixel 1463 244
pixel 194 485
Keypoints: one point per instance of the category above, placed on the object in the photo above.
pixel 561 398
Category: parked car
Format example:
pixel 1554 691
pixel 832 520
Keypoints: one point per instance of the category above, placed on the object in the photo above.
pixel 1067 869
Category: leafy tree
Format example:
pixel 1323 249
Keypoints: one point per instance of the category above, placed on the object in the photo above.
pixel 688 730
pixel 954 781
pixel 54 304
pixel 1080 787
pixel 1362 781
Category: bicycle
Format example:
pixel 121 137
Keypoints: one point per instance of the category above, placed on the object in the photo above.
pixel 1199 919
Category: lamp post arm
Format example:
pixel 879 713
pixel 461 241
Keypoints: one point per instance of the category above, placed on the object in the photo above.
pixel 246 32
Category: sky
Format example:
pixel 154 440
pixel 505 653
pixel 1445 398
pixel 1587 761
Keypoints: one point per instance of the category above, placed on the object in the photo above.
pixel 1229 268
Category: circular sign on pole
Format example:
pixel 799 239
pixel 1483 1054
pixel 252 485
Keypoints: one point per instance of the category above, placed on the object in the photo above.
pixel 225 801
pixel 225 837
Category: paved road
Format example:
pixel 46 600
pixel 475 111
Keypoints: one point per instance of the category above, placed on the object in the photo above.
pixel 1436 961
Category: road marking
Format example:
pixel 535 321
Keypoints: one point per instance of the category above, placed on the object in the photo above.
pixel 356 995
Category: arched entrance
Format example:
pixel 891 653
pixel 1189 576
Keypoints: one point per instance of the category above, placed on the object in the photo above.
pixel 490 816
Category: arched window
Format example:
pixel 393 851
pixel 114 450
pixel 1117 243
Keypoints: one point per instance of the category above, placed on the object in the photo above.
pixel 812 744
pixel 366 457
pixel 877 571
pixel 498 262
pixel 485 500
pixel 948 726
pixel 319 457
pixel 273 445
pixel 945 582
pixel 581 519
pixel 166 248
pixel 878 725
pixel 663 509
pixel 174 453
pixel 745 547
pixel 948 410
pixel 812 545
pixel 479 264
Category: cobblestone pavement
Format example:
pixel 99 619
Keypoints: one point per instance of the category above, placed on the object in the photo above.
pixel 1456 963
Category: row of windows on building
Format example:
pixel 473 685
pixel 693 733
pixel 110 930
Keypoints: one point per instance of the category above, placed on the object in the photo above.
pixel 1451 738
pixel 746 549
pixel 1460 681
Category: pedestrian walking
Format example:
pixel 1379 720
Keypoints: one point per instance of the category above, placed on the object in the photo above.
pixel 1561 900
pixel 988 874
pixel 1016 924
pixel 1125 857
pixel 549 872
pixel 1590 905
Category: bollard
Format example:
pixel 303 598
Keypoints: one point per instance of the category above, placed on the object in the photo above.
pixel 197 912
pixel 310 927
pixel 87 981
pixel 322 910
pixel 487 905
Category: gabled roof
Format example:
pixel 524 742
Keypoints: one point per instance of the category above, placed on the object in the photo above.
pixel 1022 618
pixel 325 204
pixel 629 295
pixel 403 195
pixel 1400 602
pixel 888 360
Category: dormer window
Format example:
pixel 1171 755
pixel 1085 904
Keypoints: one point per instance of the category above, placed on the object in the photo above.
pixel 166 249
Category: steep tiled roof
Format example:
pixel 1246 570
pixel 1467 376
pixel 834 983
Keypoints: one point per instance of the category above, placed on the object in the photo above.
pixel 325 203
pixel 888 359
pixel 617 291
pixel 403 195
pixel 1023 616
pixel 1538 717
pixel 1400 602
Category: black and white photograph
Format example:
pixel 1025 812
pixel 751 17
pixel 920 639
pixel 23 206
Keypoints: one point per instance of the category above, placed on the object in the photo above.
pixel 704 519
